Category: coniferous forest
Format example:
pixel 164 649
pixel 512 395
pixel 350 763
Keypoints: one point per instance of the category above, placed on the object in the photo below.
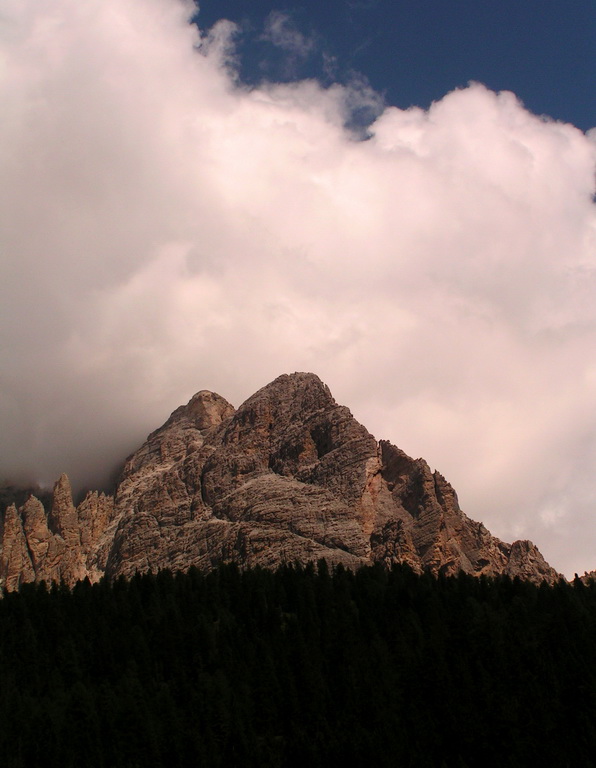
pixel 299 667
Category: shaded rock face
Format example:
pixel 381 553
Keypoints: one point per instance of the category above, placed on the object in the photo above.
pixel 289 476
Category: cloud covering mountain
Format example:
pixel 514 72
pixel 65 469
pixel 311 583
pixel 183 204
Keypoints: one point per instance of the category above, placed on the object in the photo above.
pixel 164 229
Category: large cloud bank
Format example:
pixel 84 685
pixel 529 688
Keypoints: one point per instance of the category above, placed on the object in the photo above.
pixel 165 230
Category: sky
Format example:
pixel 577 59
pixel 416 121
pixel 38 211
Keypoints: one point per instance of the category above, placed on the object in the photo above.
pixel 395 196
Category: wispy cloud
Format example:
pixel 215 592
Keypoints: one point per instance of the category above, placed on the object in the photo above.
pixel 281 31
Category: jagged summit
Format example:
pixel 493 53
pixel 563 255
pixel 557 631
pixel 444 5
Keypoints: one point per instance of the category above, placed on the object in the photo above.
pixel 204 410
pixel 288 476
pixel 305 387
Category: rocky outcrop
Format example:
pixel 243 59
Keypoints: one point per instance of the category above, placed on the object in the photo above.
pixel 61 545
pixel 589 577
pixel 527 562
pixel 16 567
pixel 289 476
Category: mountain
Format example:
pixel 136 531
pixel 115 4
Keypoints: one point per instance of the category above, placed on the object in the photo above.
pixel 289 476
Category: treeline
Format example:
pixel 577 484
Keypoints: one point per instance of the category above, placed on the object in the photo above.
pixel 298 667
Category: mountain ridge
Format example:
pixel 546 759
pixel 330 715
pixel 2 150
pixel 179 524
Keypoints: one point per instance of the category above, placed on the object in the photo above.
pixel 288 476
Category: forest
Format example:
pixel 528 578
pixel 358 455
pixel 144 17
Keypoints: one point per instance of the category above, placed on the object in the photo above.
pixel 302 666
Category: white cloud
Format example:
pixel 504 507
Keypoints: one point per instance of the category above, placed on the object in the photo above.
pixel 164 230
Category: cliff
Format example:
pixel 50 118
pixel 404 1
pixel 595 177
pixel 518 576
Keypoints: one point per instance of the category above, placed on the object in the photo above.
pixel 290 475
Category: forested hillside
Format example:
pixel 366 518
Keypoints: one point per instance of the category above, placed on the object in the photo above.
pixel 299 667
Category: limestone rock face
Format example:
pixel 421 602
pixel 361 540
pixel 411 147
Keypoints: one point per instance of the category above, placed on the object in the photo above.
pixel 16 567
pixel 527 562
pixel 289 476
pixel 46 549
pixel 61 545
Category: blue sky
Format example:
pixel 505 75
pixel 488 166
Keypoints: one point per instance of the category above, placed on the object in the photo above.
pixel 415 51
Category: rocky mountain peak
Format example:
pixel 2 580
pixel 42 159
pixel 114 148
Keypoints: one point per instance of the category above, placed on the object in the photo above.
pixel 288 476
pixel 63 516
pixel 300 389
pixel 204 411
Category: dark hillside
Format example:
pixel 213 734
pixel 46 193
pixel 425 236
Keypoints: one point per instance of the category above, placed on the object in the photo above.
pixel 299 667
